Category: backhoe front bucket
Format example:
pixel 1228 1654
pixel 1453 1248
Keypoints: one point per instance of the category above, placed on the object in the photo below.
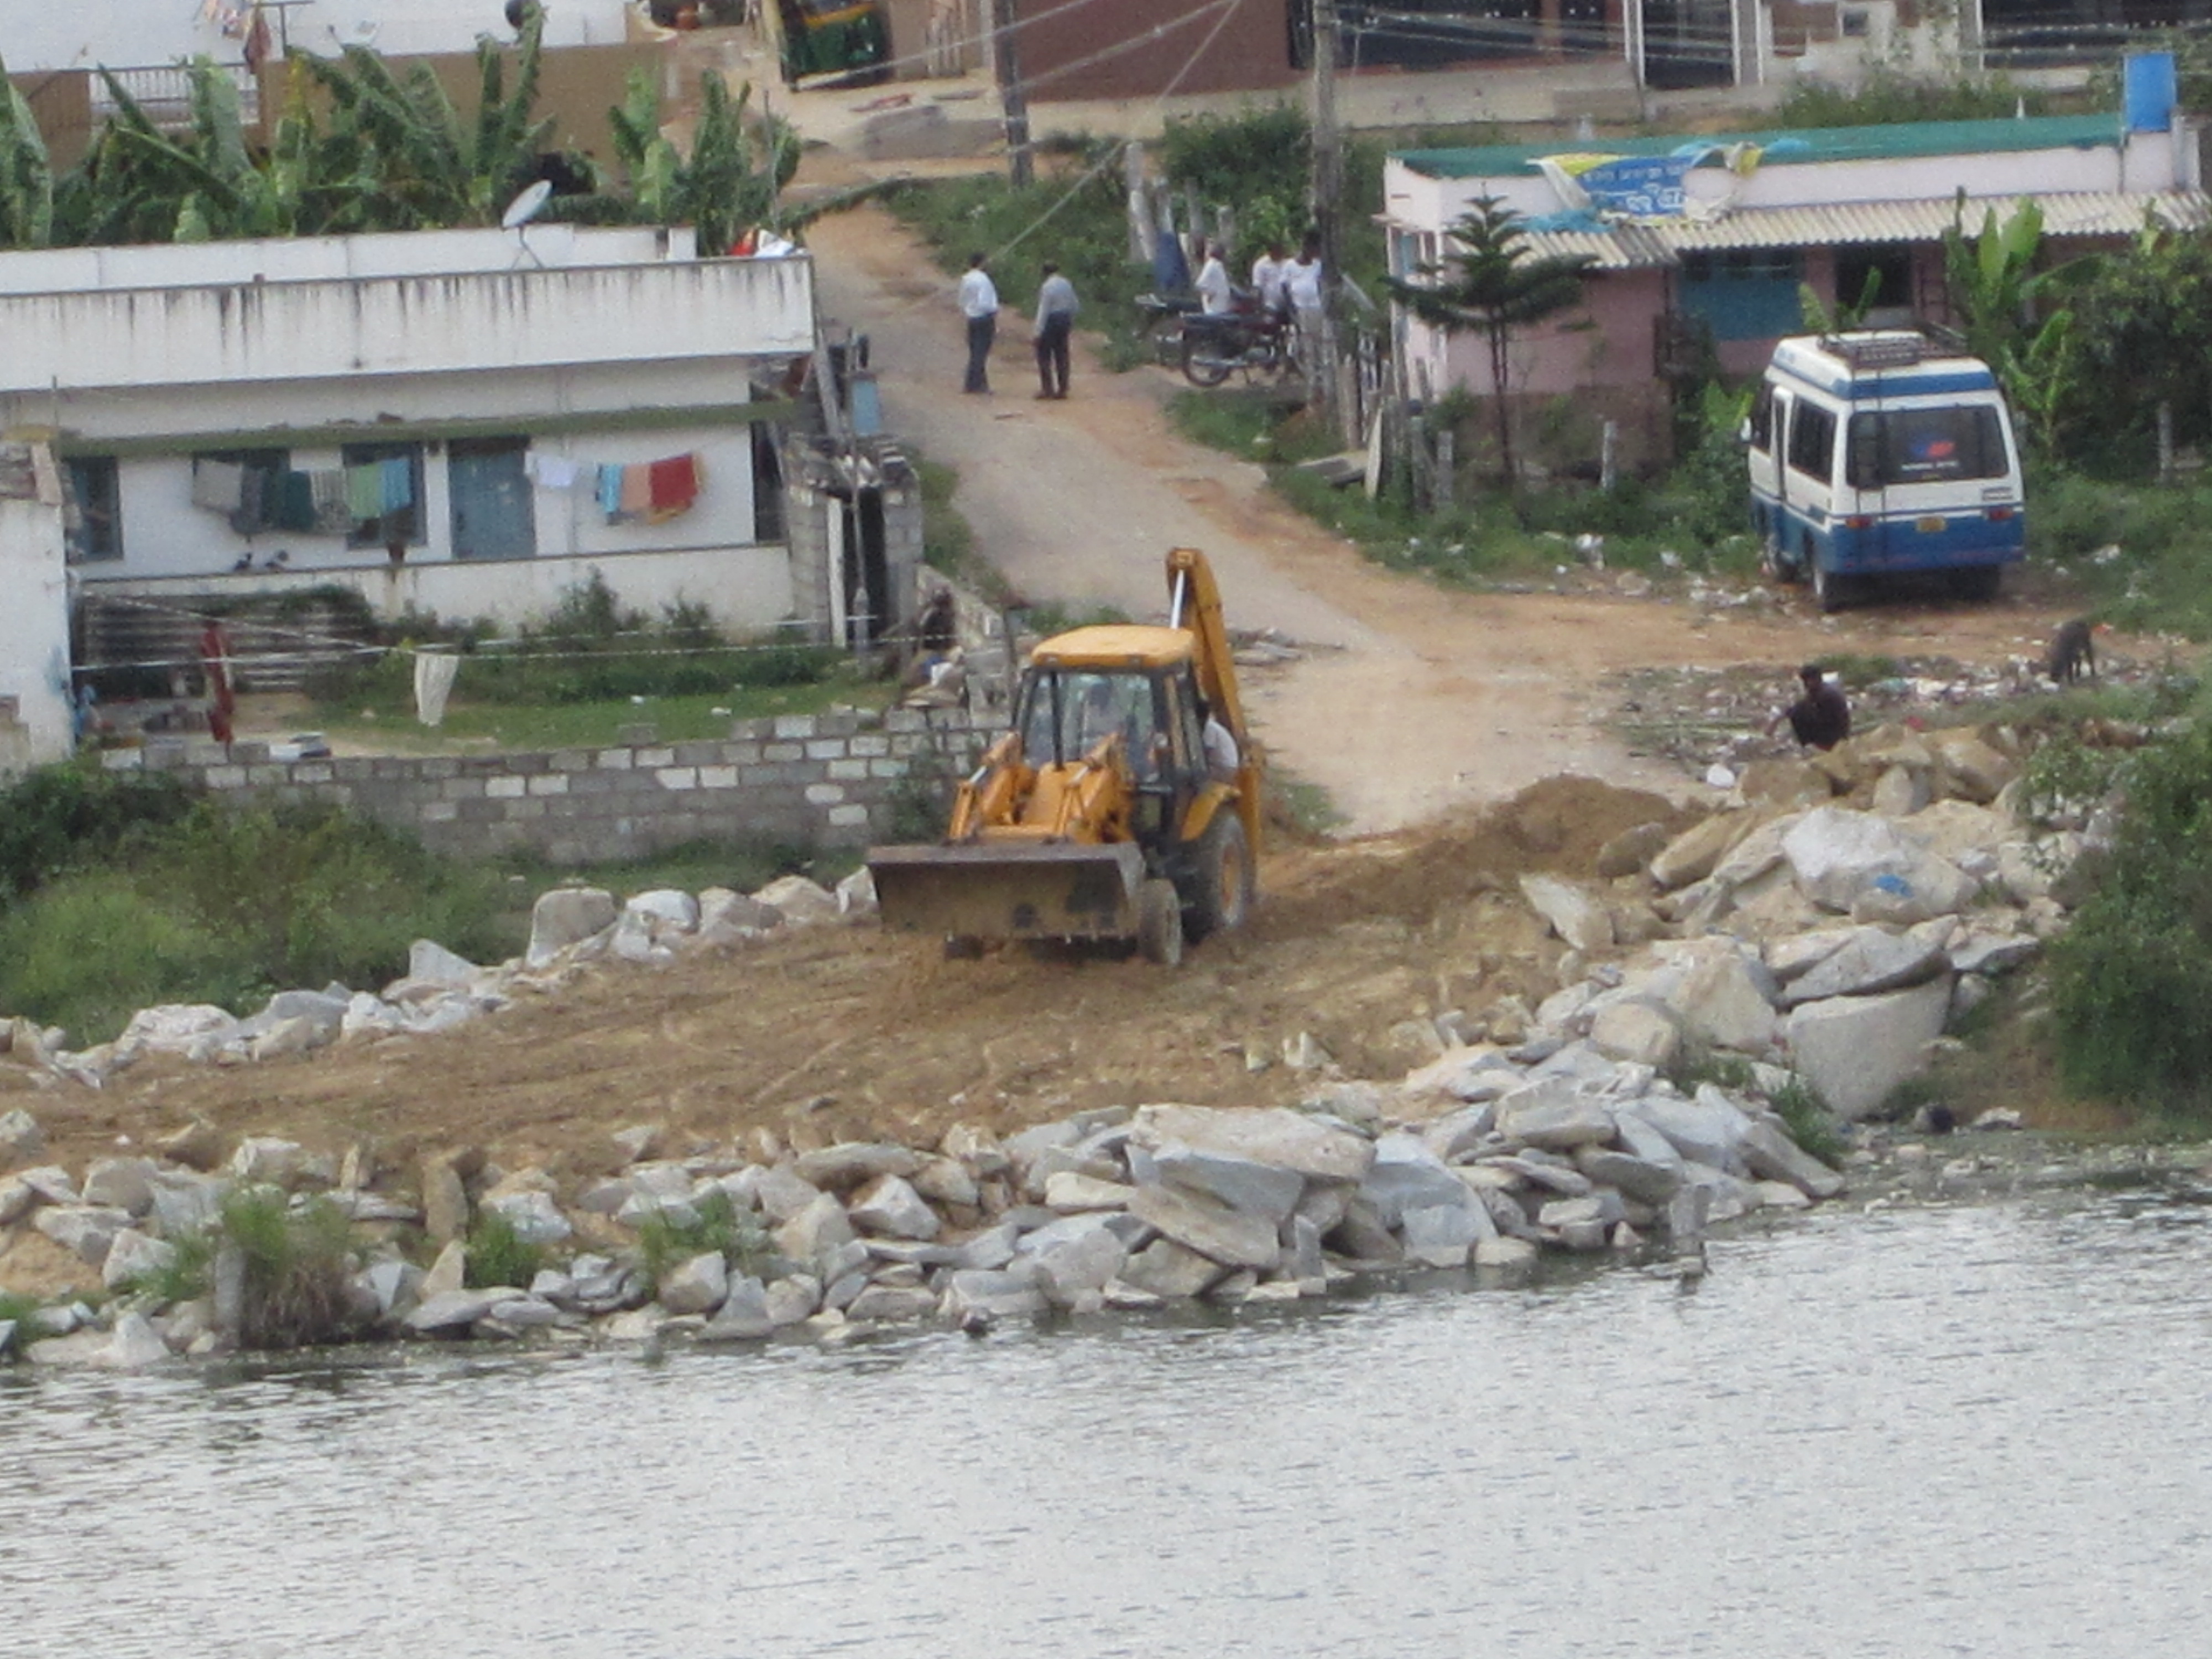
pixel 1010 890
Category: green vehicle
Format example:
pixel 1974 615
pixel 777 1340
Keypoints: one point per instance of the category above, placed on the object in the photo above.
pixel 845 38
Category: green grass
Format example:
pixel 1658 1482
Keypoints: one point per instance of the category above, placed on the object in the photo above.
pixel 1806 1116
pixel 235 902
pixel 187 1276
pixel 297 1265
pixel 18 1310
pixel 390 723
pixel 664 1240
pixel 498 1255
pixel 1304 806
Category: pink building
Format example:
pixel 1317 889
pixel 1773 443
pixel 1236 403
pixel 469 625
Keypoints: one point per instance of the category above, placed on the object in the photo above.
pixel 1699 246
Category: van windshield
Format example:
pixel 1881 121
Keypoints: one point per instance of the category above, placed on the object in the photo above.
pixel 1926 446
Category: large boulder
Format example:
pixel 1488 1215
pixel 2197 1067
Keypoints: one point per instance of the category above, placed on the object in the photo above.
pixel 1166 1268
pixel 1637 1029
pixel 1575 914
pixel 21 1140
pixel 1771 1155
pixel 1552 1113
pixel 568 915
pixel 1266 1190
pixel 1856 1050
pixel 889 1207
pixel 1837 853
pixel 1406 1176
pixel 696 1286
pixel 1873 960
pixel 1709 1129
pixel 1692 856
pixel 1727 1001
pixel 854 1164
pixel 799 901
pixel 1207 1226
pixel 1276 1136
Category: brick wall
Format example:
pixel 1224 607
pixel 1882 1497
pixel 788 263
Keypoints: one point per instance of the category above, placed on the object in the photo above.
pixel 814 780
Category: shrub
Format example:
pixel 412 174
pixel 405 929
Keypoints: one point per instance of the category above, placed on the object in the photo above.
pixel 2128 979
pixel 187 1275
pixel 497 1255
pixel 1807 1117
pixel 74 815
pixel 296 1265
pixel 666 1240
pixel 17 1310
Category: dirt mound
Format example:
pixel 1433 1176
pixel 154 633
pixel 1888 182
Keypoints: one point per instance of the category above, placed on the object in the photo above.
pixel 848 1033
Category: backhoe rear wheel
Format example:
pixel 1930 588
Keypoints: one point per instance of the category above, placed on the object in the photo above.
pixel 1159 923
pixel 1221 876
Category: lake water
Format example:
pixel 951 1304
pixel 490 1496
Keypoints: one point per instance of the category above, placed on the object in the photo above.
pixel 1978 1430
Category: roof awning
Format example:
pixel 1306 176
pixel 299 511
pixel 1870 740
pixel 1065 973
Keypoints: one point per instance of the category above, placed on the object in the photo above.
pixel 1658 242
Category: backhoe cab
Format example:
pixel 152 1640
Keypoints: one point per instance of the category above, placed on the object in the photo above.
pixel 1100 814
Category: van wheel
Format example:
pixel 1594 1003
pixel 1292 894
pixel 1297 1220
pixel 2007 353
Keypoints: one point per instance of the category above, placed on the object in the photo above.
pixel 1159 923
pixel 1221 877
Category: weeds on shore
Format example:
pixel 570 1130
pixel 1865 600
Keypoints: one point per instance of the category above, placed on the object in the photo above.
pixel 499 1256
pixel 715 1224
pixel 17 1310
pixel 296 1265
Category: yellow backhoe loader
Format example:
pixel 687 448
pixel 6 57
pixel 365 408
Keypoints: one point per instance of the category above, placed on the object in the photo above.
pixel 1123 804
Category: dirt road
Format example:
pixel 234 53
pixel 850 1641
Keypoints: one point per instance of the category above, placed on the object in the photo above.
pixel 1412 701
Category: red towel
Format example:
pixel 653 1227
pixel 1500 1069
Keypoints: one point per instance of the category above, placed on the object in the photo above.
pixel 675 484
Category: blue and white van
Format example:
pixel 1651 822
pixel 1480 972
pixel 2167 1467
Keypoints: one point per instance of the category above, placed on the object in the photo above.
pixel 1881 451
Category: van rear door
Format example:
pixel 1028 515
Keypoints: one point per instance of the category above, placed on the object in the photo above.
pixel 1934 485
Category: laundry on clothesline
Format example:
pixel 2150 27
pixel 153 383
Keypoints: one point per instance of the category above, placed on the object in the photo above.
pixel 654 491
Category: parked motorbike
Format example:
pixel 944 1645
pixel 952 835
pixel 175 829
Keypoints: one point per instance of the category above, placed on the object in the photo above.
pixel 1256 342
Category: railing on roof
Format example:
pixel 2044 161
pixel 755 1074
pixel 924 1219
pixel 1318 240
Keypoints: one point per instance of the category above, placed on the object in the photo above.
pixel 164 93
pixel 1896 349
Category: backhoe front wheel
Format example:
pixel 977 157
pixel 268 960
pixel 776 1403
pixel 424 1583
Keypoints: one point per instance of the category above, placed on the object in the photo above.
pixel 1159 923
pixel 1221 877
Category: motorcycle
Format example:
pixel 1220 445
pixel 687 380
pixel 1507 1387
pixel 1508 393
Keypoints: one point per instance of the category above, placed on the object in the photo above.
pixel 1257 342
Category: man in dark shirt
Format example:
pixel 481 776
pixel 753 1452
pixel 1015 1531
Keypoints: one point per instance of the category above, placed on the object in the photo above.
pixel 1821 719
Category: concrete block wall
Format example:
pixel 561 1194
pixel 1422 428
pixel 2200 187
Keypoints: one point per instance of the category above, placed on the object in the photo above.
pixel 830 780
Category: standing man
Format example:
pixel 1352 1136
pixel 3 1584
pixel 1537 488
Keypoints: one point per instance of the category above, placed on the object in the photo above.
pixel 1301 289
pixel 1268 273
pixel 1213 295
pixel 979 304
pixel 1055 321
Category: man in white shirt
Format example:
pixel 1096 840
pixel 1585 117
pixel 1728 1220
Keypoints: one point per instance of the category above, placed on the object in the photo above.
pixel 1213 297
pixel 979 304
pixel 1268 271
pixel 1302 288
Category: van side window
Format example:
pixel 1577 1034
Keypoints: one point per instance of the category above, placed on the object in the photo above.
pixel 1812 441
pixel 1762 419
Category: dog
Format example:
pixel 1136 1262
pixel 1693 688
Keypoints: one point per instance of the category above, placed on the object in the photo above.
pixel 2073 652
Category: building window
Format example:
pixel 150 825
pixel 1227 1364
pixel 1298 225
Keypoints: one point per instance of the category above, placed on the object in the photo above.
pixel 1743 293
pixel 384 495
pixel 1886 265
pixel 92 518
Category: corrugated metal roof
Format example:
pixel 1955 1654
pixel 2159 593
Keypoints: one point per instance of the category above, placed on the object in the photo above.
pixel 2082 213
pixel 1795 146
pixel 1661 242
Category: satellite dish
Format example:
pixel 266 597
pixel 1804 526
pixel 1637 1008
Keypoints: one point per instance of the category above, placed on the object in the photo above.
pixel 519 212
pixel 525 207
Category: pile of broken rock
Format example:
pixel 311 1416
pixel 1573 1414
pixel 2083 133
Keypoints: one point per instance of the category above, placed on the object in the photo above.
pixel 1486 1160
pixel 1834 917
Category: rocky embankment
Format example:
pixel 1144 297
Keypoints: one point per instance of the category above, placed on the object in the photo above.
pixel 1807 945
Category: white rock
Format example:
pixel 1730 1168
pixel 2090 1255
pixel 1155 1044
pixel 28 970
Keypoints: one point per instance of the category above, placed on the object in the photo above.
pixel 564 916
pixel 265 1159
pixel 1210 1228
pixel 299 1035
pixel 1443 1235
pixel 799 901
pixel 977 1148
pixel 1873 960
pixel 1726 1000
pixel 1854 1051
pixel 816 1231
pixel 1637 1030
pixel 533 1215
pixel 666 910
pixel 1072 1268
pixel 1552 1113
pixel 133 1255
pixel 948 1181
pixel 1975 951
pixel 745 1315
pixel 87 1230
pixel 856 894
pixel 892 1304
pixel 1707 1130
pixel 888 1206
pixel 430 962
pixel 1071 1192
pixel 453 1310
pixel 126 1183
pixel 1575 914
pixel 1504 1253
pixel 1276 1137
pixel 996 1295
pixel 1173 1271
pixel 16 1197
pixel 697 1285
pixel 135 1343
pixel 1771 1155
pixel 21 1138
pixel 1836 852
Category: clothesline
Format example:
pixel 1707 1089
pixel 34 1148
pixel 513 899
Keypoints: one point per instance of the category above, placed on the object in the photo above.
pixel 345 501
pixel 654 491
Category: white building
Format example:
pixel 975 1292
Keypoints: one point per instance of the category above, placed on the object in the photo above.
pixel 216 411
pixel 150 34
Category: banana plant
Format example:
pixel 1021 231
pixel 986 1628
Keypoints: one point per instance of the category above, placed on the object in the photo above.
pixel 26 173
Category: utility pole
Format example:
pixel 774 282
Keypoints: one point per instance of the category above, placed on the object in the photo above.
pixel 1328 190
pixel 1019 166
